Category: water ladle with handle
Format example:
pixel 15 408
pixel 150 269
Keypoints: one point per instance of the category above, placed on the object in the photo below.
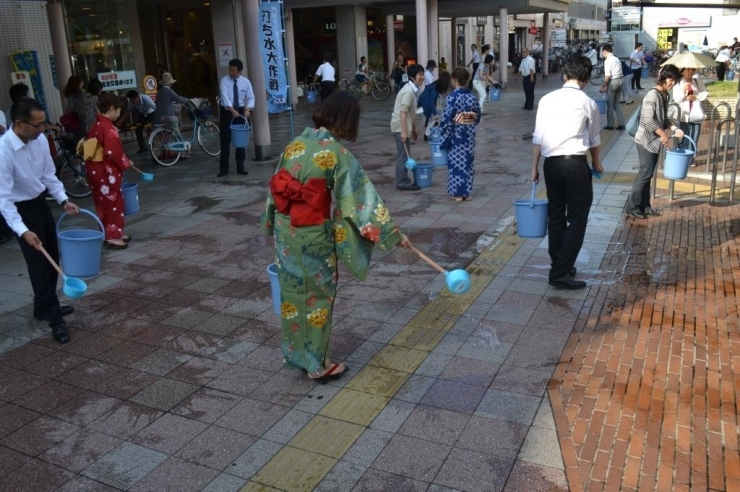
pixel 458 281
pixel 144 176
pixel 73 287
pixel 410 163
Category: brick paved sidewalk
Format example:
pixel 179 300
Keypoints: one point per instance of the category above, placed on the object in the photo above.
pixel 646 393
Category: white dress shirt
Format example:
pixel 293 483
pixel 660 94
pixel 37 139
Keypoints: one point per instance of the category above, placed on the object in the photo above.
pixel 567 123
pixel 3 122
pixel 475 57
pixel 636 59
pixel 526 67
pixel 246 94
pixel 26 170
pixel 146 105
pixel 613 67
pixel 326 72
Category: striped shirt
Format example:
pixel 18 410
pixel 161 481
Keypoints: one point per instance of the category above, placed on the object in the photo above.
pixel 653 116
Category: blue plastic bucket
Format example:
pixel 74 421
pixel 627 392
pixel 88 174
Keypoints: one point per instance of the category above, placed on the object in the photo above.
pixel 130 192
pixel 494 94
pixel 645 72
pixel 601 103
pixel 439 155
pixel 423 174
pixel 80 248
pixel 730 74
pixel 239 133
pixel 531 216
pixel 272 270
pixel 312 96
pixel 678 160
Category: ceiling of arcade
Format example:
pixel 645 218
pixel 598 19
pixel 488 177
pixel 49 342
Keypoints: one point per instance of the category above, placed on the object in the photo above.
pixel 447 8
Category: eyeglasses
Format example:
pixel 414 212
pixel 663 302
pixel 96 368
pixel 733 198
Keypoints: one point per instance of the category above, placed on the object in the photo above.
pixel 35 125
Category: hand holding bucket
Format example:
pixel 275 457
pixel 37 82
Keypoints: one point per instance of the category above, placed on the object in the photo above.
pixel 410 163
pixel 239 133
pixel 458 281
pixel 73 287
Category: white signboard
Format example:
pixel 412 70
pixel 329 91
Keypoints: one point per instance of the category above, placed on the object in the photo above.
pixel 225 54
pixel 22 78
pixel 557 38
pixel 125 79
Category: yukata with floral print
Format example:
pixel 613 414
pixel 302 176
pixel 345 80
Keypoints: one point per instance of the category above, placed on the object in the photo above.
pixel 315 168
pixel 105 177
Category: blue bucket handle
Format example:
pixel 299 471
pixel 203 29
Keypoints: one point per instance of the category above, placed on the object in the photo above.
pixel 102 227
pixel 246 122
pixel 534 186
pixel 689 139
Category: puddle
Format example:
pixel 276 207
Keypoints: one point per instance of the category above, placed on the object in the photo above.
pixel 202 203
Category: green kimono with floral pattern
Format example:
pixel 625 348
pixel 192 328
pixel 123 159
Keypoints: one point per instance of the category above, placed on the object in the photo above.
pixel 307 255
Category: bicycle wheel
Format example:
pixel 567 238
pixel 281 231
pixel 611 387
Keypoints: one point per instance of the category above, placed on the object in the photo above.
pixel 597 75
pixel 381 91
pixel 73 177
pixel 354 88
pixel 209 138
pixel 159 143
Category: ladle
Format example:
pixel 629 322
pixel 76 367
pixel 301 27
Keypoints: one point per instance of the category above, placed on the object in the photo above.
pixel 458 281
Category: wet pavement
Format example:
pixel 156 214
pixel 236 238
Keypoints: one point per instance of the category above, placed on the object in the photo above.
pixel 173 380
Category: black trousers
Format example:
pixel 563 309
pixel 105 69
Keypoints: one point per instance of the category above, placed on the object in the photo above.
pixel 36 214
pixel 569 196
pixel 224 124
pixel 475 70
pixel 327 87
pixel 529 92
pixel 721 69
pixel 636 74
pixel 142 120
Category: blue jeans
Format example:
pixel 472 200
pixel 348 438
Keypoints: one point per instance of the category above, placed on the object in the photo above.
pixel 692 130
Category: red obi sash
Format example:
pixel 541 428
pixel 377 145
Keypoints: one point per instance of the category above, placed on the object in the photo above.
pixel 306 204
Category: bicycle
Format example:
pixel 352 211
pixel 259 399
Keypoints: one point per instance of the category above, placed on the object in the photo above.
pixel 167 143
pixel 597 74
pixel 379 89
pixel 70 167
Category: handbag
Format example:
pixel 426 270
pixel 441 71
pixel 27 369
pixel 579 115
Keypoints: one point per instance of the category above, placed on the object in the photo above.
pixel 696 114
pixel 634 121
pixel 71 122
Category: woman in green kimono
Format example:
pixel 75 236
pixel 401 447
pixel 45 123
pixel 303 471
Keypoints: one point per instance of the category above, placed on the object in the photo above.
pixel 314 171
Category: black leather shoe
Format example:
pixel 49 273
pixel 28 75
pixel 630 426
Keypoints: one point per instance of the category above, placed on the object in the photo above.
pixel 573 272
pixel 568 283
pixel 412 187
pixel 636 214
pixel 221 174
pixel 142 151
pixel 243 173
pixel 650 211
pixel 620 127
pixel 608 128
pixel 59 334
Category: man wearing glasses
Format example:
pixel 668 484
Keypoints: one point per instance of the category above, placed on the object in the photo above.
pixel 527 71
pixel 26 170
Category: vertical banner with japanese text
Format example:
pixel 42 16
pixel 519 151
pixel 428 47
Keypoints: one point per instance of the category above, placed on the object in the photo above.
pixel 273 56
pixel 28 61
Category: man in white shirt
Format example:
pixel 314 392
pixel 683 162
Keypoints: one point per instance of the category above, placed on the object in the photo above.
pixel 3 124
pixel 567 126
pixel 474 61
pixel 429 73
pixel 403 124
pixel 144 108
pixel 237 99
pixel 26 170
pixel 637 60
pixel 327 73
pixel 723 58
pixel 612 86
pixel 527 71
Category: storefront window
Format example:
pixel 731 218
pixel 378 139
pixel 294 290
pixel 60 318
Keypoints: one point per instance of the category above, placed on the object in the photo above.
pixel 100 42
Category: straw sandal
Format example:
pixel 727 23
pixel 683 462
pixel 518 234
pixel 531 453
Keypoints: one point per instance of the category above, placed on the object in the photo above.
pixel 331 374
pixel 112 245
pixel 126 239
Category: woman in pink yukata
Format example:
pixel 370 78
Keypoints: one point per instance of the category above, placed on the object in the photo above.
pixel 105 176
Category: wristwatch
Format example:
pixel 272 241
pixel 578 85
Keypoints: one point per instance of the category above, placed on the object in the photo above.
pixel 64 203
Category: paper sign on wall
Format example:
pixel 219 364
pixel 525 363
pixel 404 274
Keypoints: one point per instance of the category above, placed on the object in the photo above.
pixel 225 54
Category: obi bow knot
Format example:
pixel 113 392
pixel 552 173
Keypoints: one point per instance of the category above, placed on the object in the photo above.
pixel 306 203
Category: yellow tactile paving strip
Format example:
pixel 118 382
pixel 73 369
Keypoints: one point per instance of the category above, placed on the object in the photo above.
pixel 311 454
